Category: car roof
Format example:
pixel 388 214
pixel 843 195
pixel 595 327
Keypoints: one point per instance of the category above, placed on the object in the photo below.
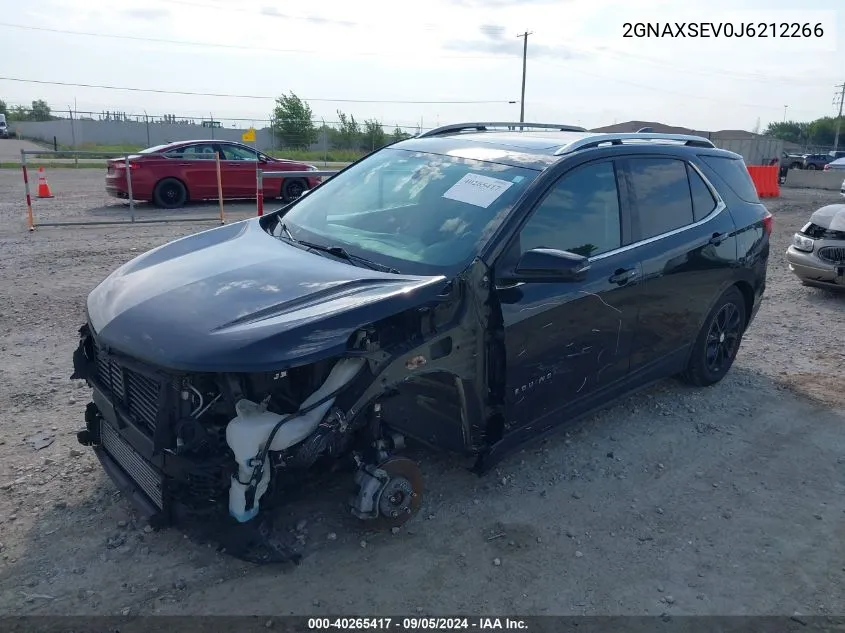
pixel 532 148
pixel 203 140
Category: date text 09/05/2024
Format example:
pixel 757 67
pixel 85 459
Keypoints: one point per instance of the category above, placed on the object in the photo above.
pixel 773 30
pixel 416 624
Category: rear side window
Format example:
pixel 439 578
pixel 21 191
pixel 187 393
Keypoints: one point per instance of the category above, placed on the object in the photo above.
pixel 703 201
pixel 662 193
pixel 735 175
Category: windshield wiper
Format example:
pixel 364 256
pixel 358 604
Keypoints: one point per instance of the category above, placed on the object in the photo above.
pixel 339 251
pixel 287 232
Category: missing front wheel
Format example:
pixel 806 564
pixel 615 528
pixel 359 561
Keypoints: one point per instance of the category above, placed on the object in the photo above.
pixel 389 494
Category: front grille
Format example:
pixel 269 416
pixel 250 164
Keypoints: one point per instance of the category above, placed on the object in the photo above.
pixel 138 394
pixel 832 254
pixel 139 469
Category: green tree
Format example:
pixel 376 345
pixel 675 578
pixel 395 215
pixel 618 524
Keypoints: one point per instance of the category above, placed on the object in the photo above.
pixel 820 132
pixel 40 111
pixel 3 108
pixel 348 134
pixel 399 135
pixel 291 122
pixel 373 136
pixel 19 113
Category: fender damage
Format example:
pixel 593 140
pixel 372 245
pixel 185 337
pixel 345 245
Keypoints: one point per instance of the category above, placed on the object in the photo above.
pixel 224 447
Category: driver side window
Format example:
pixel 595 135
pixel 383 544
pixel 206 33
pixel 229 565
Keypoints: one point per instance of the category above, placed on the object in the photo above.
pixel 234 152
pixel 580 214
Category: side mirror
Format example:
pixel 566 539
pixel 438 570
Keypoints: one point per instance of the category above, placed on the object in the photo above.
pixel 552 265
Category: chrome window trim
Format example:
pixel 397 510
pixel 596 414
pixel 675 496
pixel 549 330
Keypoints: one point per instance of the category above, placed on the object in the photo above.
pixel 720 206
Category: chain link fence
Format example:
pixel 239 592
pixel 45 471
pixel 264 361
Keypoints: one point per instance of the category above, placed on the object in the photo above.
pixel 339 140
pixel 137 189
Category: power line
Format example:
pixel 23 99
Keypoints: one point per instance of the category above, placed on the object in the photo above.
pixel 161 40
pixel 665 90
pixel 381 54
pixel 697 70
pixel 268 13
pixel 234 96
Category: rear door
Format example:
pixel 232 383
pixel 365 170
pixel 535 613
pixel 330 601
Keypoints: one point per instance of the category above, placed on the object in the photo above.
pixel 194 165
pixel 687 245
pixel 566 341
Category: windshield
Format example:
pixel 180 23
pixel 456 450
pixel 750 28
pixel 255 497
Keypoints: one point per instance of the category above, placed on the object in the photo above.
pixel 417 212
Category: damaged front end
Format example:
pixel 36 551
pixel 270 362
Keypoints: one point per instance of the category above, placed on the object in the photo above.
pixel 218 451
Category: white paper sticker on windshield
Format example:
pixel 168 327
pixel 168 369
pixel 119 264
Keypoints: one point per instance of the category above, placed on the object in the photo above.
pixel 478 190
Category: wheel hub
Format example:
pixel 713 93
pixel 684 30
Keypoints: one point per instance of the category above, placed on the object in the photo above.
pixel 401 496
pixel 396 498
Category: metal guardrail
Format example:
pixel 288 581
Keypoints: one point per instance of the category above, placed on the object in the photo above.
pixel 259 172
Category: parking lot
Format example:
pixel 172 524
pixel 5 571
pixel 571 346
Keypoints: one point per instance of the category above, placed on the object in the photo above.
pixel 727 500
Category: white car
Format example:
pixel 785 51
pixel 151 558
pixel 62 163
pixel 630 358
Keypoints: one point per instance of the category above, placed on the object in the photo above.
pixel 839 163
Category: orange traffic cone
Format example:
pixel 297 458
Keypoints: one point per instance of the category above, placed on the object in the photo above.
pixel 43 187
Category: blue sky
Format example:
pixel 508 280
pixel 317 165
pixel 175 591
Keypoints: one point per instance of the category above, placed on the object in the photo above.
pixel 580 68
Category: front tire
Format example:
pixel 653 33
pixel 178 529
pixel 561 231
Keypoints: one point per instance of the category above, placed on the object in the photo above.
pixel 812 167
pixel 293 189
pixel 718 341
pixel 170 194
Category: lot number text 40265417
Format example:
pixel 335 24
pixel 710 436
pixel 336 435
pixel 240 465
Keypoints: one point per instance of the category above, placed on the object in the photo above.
pixel 421 623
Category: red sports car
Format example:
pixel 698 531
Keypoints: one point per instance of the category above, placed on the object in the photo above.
pixel 186 171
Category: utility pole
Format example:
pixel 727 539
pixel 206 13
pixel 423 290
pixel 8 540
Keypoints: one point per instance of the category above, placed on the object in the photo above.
pixel 524 59
pixel 841 99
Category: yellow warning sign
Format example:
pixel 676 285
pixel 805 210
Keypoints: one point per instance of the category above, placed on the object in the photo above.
pixel 248 136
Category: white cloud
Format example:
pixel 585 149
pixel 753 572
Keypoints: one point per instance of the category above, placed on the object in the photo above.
pixel 580 68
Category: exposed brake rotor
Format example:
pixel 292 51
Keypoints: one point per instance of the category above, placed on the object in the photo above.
pixel 401 496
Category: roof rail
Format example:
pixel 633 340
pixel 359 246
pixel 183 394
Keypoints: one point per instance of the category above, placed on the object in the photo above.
pixel 617 139
pixel 485 126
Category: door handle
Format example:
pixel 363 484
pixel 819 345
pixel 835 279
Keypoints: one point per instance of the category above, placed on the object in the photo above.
pixel 718 238
pixel 622 275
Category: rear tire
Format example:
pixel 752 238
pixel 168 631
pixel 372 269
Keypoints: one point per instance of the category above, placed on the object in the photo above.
pixel 170 194
pixel 718 341
pixel 812 167
pixel 293 189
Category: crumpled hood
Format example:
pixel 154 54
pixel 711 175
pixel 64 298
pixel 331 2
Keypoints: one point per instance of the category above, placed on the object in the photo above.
pixel 237 299
pixel 830 217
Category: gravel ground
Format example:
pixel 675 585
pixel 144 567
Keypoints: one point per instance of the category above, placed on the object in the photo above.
pixel 727 500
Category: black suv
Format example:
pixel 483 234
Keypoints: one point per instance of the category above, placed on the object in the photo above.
pixel 468 289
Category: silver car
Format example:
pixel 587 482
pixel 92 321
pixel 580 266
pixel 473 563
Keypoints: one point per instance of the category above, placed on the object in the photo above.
pixel 817 253
pixel 835 165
